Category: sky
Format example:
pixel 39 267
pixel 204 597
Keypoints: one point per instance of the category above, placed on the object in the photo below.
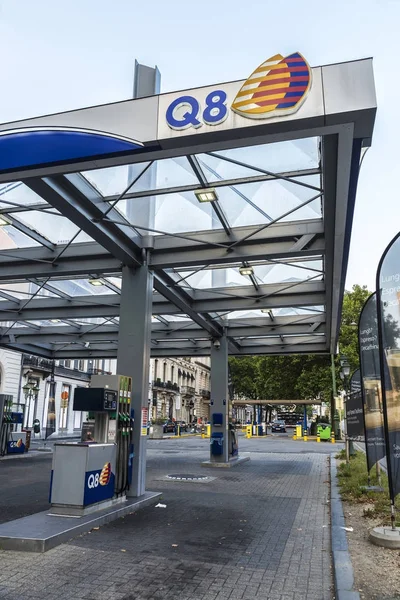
pixel 65 54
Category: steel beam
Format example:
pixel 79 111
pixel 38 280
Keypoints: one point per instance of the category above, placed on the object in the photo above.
pixel 20 264
pixel 181 189
pixel 167 287
pixel 29 232
pixel 87 333
pixel 133 358
pixel 87 353
pixel 203 349
pixel 213 247
pixel 206 247
pixel 78 200
pixel 219 396
pixel 269 296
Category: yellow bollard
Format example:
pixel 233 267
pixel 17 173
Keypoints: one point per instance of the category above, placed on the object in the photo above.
pixel 208 431
pixel 318 437
pixel 333 437
pixel 305 438
pixel 249 431
pixel 294 436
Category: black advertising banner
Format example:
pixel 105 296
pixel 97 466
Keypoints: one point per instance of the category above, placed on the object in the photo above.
pixel 388 290
pixel 371 383
pixel 51 407
pixel 354 410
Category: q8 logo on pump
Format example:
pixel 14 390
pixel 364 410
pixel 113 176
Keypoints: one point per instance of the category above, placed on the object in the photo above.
pixel 99 485
pixel 102 478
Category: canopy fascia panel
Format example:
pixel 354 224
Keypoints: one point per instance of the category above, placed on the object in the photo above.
pixel 297 315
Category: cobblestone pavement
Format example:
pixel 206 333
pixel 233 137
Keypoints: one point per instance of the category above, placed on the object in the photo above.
pixel 259 531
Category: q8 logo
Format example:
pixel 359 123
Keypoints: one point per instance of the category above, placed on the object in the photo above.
pixel 186 111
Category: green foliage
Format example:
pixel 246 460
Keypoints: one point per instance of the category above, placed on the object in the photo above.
pixel 353 303
pixel 301 377
pixel 245 377
pixel 351 479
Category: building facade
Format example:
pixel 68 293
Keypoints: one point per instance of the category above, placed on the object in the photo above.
pixel 178 388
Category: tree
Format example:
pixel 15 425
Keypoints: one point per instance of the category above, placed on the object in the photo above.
pixel 353 302
pixel 244 373
pixel 301 377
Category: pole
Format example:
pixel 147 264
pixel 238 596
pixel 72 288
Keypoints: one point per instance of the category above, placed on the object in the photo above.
pixel 334 392
pixel 346 438
pixel 378 473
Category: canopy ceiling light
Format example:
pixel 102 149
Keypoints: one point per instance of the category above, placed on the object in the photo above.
pixel 55 320
pixel 246 270
pixel 3 221
pixel 96 282
pixel 206 195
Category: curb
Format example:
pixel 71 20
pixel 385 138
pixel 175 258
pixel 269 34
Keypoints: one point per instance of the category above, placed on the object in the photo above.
pixel 342 567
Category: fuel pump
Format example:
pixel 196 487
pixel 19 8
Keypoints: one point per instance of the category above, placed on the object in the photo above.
pixel 96 473
pixel 11 441
pixel 122 427
pixel 5 422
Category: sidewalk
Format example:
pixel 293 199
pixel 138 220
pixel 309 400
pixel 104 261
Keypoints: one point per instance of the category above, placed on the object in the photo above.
pixel 260 531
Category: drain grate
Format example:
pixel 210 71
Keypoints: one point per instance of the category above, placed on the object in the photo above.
pixel 187 477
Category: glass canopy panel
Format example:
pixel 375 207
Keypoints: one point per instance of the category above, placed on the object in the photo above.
pixel 215 168
pixel 47 323
pixel 20 291
pixel 276 312
pixel 114 180
pixel 166 173
pixel 10 237
pixel 92 321
pixel 82 287
pixel 264 201
pixel 279 157
pixel 55 228
pixel 18 194
pixel 246 204
pixel 231 277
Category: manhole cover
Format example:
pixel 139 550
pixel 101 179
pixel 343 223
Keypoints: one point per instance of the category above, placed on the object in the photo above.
pixel 187 477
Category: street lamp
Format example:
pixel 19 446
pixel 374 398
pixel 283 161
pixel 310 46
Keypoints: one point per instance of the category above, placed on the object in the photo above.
pixel 344 376
pixel 31 391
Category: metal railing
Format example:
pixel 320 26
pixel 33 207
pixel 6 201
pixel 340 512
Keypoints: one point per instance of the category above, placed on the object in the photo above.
pixel 188 389
pixel 205 393
pixel 44 364
pixel 165 385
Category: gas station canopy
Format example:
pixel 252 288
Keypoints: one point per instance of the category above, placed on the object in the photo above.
pixel 240 206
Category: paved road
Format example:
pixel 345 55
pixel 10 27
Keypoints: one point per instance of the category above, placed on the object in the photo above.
pixel 259 531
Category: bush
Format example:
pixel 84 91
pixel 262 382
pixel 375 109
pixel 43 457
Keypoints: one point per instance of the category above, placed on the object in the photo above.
pixel 353 476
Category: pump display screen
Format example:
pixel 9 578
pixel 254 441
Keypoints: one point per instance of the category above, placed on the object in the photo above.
pixel 95 399
pixel 110 400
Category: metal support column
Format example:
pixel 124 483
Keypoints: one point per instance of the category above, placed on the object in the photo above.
pixel 133 358
pixel 305 419
pixel 219 395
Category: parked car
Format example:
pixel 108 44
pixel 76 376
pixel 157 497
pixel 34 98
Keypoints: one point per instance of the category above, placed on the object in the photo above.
pixel 183 425
pixel 278 426
pixel 169 426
